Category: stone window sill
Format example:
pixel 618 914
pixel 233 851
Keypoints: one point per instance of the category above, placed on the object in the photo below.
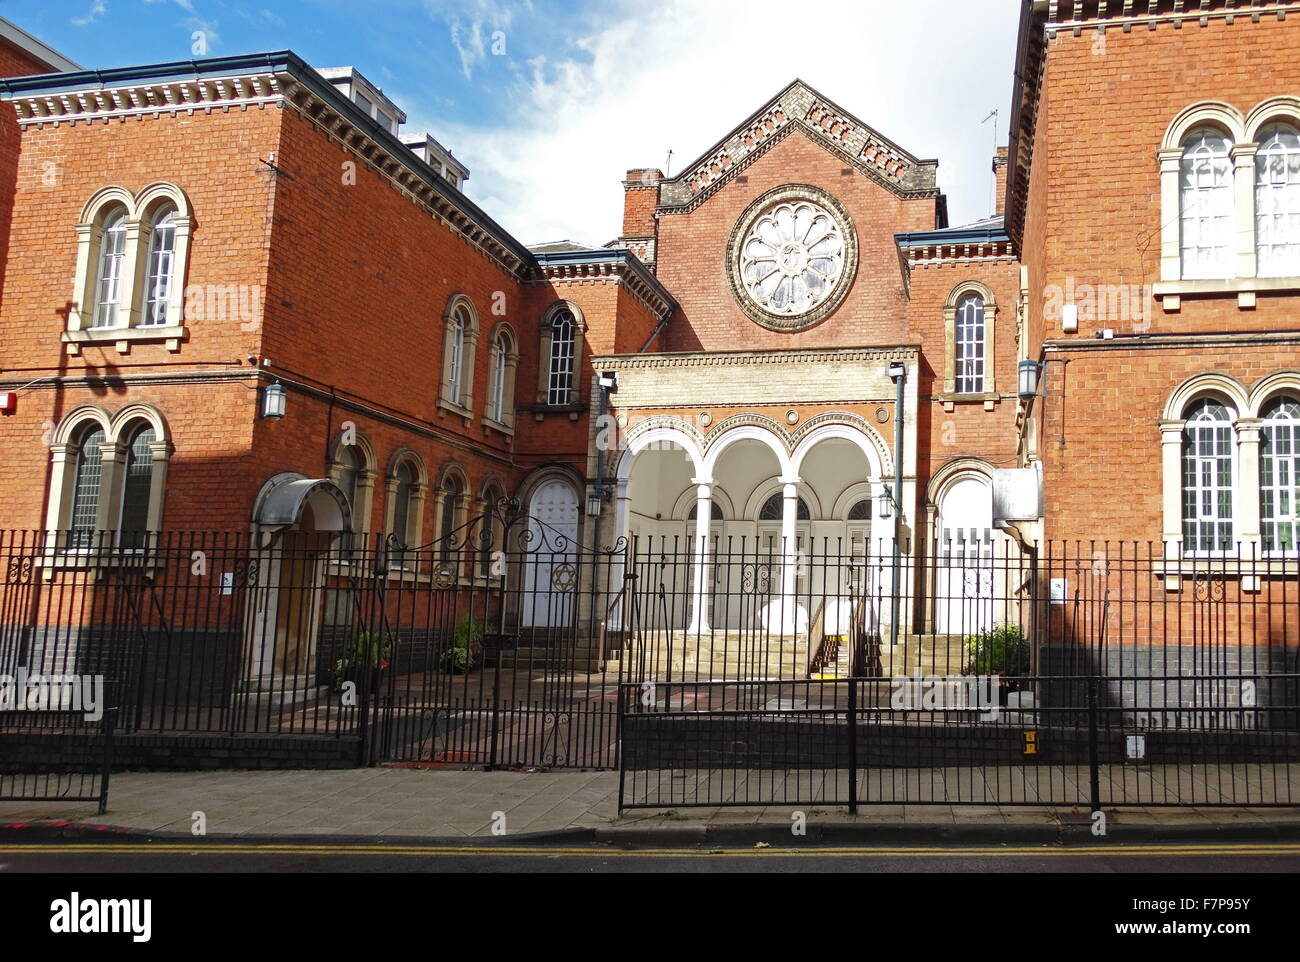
pixel 452 407
pixel 1250 571
pixel 124 337
pixel 1246 290
pixel 499 426
pixel 950 400
pixel 572 410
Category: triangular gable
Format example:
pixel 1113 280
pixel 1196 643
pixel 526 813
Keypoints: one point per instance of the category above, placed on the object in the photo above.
pixel 799 107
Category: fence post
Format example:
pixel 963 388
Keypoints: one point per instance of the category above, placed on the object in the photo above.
pixel 1094 773
pixel 618 741
pixel 853 746
pixel 107 769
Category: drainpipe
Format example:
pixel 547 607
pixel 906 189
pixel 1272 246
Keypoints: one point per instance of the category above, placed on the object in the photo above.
pixel 900 380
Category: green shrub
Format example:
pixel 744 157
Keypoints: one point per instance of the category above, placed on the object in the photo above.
pixel 465 646
pixel 999 651
pixel 365 650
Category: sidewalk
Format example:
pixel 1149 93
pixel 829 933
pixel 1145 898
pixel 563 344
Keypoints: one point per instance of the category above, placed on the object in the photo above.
pixel 456 805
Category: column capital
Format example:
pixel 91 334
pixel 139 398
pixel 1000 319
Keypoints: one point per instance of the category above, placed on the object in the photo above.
pixel 703 482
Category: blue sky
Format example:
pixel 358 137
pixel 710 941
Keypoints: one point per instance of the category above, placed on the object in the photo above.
pixel 550 102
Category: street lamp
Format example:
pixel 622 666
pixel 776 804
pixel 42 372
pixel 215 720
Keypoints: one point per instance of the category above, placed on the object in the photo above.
pixel 1030 372
pixel 273 401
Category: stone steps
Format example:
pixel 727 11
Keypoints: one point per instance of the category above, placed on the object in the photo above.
pixel 931 654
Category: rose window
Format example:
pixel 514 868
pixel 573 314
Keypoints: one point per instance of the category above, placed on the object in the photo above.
pixel 792 258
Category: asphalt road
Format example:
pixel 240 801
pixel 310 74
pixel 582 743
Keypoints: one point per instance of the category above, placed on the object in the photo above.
pixel 372 857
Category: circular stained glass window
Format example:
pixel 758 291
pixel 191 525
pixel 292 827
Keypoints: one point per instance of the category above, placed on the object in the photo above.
pixel 792 256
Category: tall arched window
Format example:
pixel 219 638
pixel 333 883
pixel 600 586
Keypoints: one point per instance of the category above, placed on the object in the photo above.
pixel 969 346
pixel 490 532
pixel 500 357
pixel 456 346
pixel 1277 202
pixel 347 467
pixel 402 496
pixel 108 273
pixel 1279 482
pixel 452 493
pixel 160 267
pixel 136 486
pixel 1207 205
pixel 1208 477
pixel 86 487
pixel 560 385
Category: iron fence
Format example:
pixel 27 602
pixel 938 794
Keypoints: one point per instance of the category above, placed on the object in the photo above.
pixel 56 756
pixel 971 740
pixel 510 643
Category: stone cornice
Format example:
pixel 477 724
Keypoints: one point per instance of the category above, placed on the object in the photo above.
pixel 963 253
pixel 639 282
pixel 1076 15
pixel 282 79
pixel 902 352
pixel 799 107
pixel 1179 342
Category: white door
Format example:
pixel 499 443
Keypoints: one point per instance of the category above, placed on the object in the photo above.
pixel 964 575
pixel 551 572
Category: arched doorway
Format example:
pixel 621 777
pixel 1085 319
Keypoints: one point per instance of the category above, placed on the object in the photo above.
pixel 551 572
pixel 964 588
pixel 298 522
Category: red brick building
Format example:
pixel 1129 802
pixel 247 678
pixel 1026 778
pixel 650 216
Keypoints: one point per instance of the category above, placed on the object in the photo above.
pixel 192 245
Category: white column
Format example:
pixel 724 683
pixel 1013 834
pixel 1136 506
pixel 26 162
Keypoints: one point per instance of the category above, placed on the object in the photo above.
pixel 1171 262
pixel 1243 183
pixel 618 572
pixel 789 554
pixel 1245 497
pixel 703 516
pixel 1171 443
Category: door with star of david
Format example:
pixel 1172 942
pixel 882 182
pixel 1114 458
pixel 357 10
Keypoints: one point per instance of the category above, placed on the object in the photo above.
pixel 551 572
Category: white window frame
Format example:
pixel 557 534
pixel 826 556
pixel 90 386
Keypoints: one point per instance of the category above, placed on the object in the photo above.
pixel 1284 484
pixel 561 389
pixel 124 323
pixel 1211 488
pixel 460 337
pixel 1206 206
pixel 1277 202
pixel 119 430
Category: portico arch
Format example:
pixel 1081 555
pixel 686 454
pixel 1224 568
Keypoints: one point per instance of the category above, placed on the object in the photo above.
pixel 299 519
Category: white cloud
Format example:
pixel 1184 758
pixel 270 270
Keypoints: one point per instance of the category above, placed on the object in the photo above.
pixel 472 24
pixel 679 75
pixel 97 9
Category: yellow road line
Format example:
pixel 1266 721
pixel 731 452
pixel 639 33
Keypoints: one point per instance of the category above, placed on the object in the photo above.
pixel 200 848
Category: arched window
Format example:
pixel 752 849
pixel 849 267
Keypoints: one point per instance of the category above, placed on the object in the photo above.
pixel 160 268
pixel 456 345
pixel 403 493
pixel 137 486
pixel 1279 483
pixel 86 487
pixel 108 273
pixel 861 511
pixel 460 335
pixel 1208 477
pixel 452 493
pixel 715 512
pixel 1206 204
pixel 773 509
pixel 969 345
pixel 500 360
pixel 1277 202
pixel 560 384
pixel 490 532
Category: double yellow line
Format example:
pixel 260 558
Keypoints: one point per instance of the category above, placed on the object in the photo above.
pixel 542 851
